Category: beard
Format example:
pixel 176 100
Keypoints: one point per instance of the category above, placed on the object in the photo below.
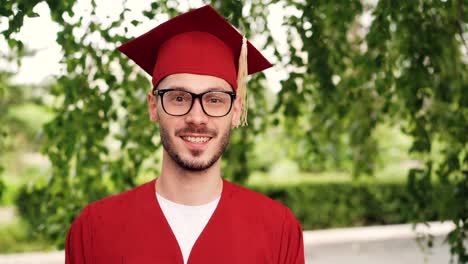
pixel 191 164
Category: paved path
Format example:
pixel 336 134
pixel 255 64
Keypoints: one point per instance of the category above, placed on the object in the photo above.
pixel 380 244
pixel 400 251
pixel 393 244
pixel 56 257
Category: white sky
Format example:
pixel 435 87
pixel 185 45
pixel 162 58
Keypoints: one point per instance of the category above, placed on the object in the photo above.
pixel 39 34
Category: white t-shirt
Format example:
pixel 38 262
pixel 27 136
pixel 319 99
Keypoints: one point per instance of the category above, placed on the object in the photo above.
pixel 186 221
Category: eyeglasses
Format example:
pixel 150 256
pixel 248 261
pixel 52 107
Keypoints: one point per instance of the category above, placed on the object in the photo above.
pixel 178 102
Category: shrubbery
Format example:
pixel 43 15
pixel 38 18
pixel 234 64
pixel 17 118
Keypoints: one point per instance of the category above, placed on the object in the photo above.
pixel 317 205
pixel 321 205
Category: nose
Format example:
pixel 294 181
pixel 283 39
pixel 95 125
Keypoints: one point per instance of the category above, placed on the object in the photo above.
pixel 196 115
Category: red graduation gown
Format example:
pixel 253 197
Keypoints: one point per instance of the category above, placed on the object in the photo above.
pixel 246 227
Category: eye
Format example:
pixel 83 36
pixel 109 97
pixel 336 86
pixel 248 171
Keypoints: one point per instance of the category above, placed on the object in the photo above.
pixel 178 97
pixel 215 100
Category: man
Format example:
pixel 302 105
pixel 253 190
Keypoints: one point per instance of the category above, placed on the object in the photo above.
pixel 189 214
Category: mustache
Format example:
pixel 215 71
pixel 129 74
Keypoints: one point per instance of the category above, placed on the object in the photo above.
pixel 197 130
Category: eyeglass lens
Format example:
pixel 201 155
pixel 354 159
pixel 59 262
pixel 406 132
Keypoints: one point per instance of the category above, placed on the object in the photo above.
pixel 213 103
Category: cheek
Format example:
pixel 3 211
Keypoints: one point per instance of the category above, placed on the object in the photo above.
pixel 225 126
pixel 170 124
pixel 231 119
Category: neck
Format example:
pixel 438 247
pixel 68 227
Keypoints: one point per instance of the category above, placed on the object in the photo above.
pixel 189 187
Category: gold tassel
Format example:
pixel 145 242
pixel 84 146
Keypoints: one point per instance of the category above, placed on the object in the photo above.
pixel 242 81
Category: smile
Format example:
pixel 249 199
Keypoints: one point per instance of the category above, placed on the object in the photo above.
pixel 196 139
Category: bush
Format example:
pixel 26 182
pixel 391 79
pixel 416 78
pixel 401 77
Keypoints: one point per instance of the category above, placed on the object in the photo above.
pixel 49 221
pixel 319 205
pixel 16 237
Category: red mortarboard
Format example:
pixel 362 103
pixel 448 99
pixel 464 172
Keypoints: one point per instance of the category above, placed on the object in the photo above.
pixel 200 41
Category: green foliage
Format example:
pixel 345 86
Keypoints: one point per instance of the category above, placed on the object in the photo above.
pixel 30 208
pixel 101 132
pixel 316 204
pixel 319 205
pixel 2 184
pixel 14 238
pixel 5 102
pixel 407 68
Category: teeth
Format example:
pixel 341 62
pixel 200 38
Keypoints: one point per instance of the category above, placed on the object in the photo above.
pixel 197 139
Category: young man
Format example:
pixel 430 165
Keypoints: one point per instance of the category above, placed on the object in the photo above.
pixel 189 214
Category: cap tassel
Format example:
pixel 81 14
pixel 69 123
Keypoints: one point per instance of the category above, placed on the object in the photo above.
pixel 242 82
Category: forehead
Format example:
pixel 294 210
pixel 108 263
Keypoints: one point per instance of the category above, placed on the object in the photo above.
pixel 196 83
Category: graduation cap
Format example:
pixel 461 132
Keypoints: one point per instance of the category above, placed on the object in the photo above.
pixel 200 41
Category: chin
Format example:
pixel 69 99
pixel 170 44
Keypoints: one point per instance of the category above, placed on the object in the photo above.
pixel 194 160
pixel 198 165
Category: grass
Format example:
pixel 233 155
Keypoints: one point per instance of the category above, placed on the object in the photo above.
pixel 288 175
pixel 260 178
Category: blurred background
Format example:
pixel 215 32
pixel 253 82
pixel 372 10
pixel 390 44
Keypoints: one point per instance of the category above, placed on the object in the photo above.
pixel 362 121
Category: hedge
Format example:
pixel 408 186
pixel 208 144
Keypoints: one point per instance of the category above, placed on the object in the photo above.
pixel 317 205
pixel 320 205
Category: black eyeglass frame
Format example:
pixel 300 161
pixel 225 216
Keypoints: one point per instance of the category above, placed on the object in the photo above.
pixel 194 96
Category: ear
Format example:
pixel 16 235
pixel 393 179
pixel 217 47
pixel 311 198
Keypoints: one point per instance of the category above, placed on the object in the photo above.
pixel 152 107
pixel 237 107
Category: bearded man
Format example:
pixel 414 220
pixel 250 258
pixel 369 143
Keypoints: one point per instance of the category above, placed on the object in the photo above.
pixel 190 214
